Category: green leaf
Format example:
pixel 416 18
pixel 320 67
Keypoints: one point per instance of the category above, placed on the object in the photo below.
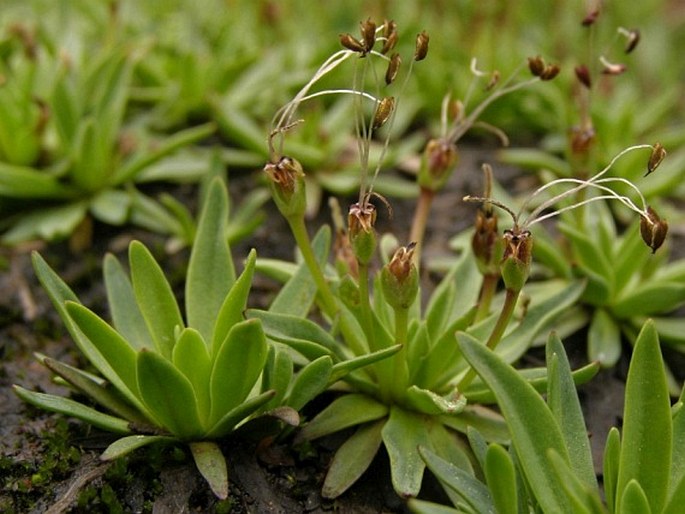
pixel 583 497
pixel 676 499
pixel 310 382
pixel 473 491
pixel 232 310
pixel 604 339
pixel 298 294
pixel 647 426
pixel 48 224
pixel 277 374
pixel 346 411
pixel 425 507
pixel 210 270
pixel 114 348
pixel 428 402
pixel 29 183
pixel 479 446
pixel 211 464
pixel 489 423
pixel 612 454
pixel 190 356
pixel 111 206
pixel 500 475
pixel 98 389
pixel 155 298
pixel 402 434
pixel 563 401
pixel 126 445
pixel 634 500
pixel 69 407
pixel 653 297
pixel 239 362
pixel 125 313
pixel 533 428
pixel 169 395
pixel 342 369
pixel 239 414
pixel 352 458
pixel 678 453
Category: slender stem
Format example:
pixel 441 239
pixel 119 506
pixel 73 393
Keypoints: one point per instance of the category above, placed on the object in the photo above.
pixel 400 374
pixel 299 230
pixel 497 332
pixel 418 227
pixel 487 291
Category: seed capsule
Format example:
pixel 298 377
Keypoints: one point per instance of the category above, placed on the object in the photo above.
pixel 518 254
pixel 393 68
pixel 383 112
pixel 421 46
pixel 368 31
pixel 400 278
pixel 653 229
pixel 549 72
pixel 583 75
pixel 360 227
pixel 351 43
pixel 658 154
pixel 536 65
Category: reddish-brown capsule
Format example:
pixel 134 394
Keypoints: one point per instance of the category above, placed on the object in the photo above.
pixel 536 65
pixel 583 75
pixel 368 31
pixel 351 43
pixel 549 72
pixel 393 68
pixel 658 154
pixel 383 111
pixel 390 35
pixel 653 229
pixel 421 49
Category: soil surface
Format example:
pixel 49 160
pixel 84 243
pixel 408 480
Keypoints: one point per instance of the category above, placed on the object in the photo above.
pixel 50 464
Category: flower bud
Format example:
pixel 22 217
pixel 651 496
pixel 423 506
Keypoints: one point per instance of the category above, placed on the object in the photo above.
pixel 517 258
pixel 390 34
pixel 360 227
pixel 583 75
pixel 351 43
pixel 653 229
pixel 287 186
pixel 658 154
pixel 383 111
pixel 590 18
pixel 400 278
pixel 368 31
pixel 393 68
pixel 439 159
pixel 536 65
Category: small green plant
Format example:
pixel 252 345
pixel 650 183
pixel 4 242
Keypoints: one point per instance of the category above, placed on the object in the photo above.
pixel 548 467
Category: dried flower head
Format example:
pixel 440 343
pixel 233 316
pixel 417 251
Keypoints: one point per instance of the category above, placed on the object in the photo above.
pixel 536 65
pixel 368 32
pixel 653 229
pixel 393 68
pixel 421 46
pixel 383 111
pixel 390 36
pixel 658 154
pixel 400 278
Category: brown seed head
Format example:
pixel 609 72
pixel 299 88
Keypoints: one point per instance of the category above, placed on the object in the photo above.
pixel 351 43
pixel 536 65
pixel 494 79
pixel 393 68
pixel 383 111
pixel 653 229
pixel 402 261
pixel 549 72
pixel 368 32
pixel 285 173
pixel 485 238
pixel 421 49
pixel 658 154
pixel 583 75
pixel 390 35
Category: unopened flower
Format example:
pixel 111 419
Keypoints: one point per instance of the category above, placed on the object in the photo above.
pixel 400 278
pixel 583 75
pixel 658 154
pixel 383 111
pixel 361 220
pixel 653 229
pixel 439 159
pixel 390 35
pixel 518 255
pixel 352 43
pixel 393 68
pixel 421 46
pixel 368 31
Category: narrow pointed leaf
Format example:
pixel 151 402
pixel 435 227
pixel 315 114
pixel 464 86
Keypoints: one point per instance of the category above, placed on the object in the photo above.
pixel 352 458
pixel 240 413
pixel 676 500
pixel 126 445
pixel 191 357
pixel 343 412
pixel 232 309
pixel 277 374
pixel 533 428
pixel 428 402
pixel 647 426
pixel 563 401
pixel 69 407
pixel 492 426
pixel 469 488
pixel 211 464
pixel 604 339
pixel 155 298
pixel 426 507
pixel 210 270
pixel 169 395
pixel 403 433
pixel 612 454
pixel 634 500
pixel 583 497
pixel 309 382
pixel 342 369
pixel 126 315
pixel 238 363
pixel 500 475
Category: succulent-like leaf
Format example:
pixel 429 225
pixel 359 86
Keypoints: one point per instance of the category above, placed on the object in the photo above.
pixel 479 446
pixel 347 411
pixel 126 315
pixel 500 476
pixel 48 224
pixel 352 458
pixel 428 402
pixel 647 426
pixel 69 407
pixel 114 348
pixel 676 499
pixel 612 454
pixel 211 464
pixel 298 294
pixel 583 496
pixel 126 445
pixel 232 309
pixel 277 374
pixel 169 395
pixel 604 339
pixel 309 382
pixel 489 423
pixel 155 298
pixel 533 428
pixel 237 366
pixel 239 414
pixel 344 368
pixel 634 500
pixel 653 297
pixel 562 399
pixel 25 182
pixel 426 507
pixel 210 270
pixel 402 434
pixel 677 478
pixel 191 357
pixel 469 488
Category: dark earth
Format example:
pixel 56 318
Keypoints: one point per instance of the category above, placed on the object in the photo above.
pixel 50 464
